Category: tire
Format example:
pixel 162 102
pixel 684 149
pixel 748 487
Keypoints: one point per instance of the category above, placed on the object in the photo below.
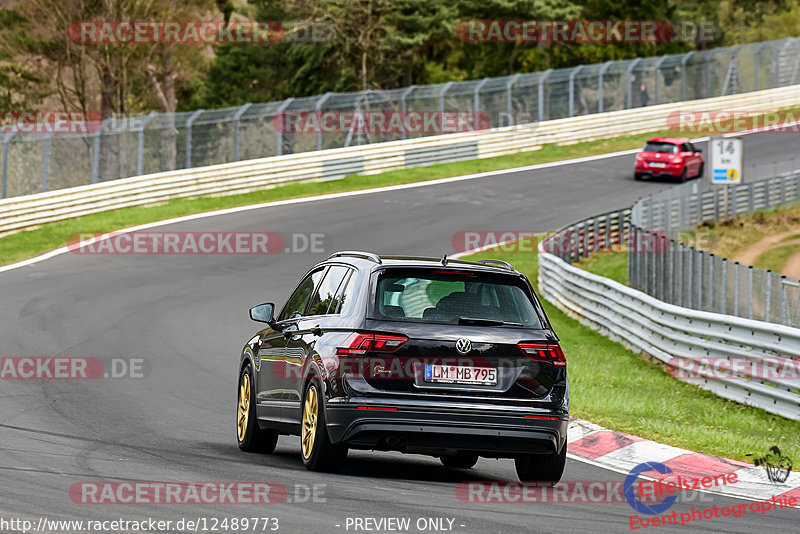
pixel 460 460
pixel 249 435
pixel 541 467
pixel 682 177
pixel 637 177
pixel 316 449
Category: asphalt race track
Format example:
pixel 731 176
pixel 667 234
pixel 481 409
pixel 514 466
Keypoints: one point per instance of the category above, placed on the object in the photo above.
pixel 186 318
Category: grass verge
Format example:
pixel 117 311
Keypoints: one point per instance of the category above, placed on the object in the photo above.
pixel 617 388
pixel 48 237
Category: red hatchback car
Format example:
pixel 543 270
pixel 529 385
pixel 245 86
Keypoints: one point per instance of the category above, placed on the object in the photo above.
pixel 673 157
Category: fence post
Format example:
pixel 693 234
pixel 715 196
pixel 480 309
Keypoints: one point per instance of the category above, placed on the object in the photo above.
pixel 318 109
pixel 690 279
pixel 572 75
pixel 404 106
pixel 46 163
pixel 140 156
pixel 509 88
pixel 600 75
pixel 736 288
pixel 683 73
pixel 710 283
pixel 655 78
pixel 476 98
pixel 542 78
pixel 670 270
pixel 783 299
pixel 282 125
pixel 629 101
pixel 723 308
pixel 750 290
pixel 6 141
pixel 236 119
pixel 96 152
pixel 679 278
pixel 767 298
pixel 189 123
pixel 750 198
pixel 756 65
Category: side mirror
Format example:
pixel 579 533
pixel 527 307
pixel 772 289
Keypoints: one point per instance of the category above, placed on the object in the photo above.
pixel 263 313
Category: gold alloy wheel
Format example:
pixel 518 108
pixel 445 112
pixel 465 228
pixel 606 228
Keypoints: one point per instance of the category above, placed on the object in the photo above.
pixel 309 422
pixel 244 406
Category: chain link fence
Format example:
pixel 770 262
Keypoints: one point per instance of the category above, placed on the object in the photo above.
pixel 663 266
pixel 35 162
pixel 685 276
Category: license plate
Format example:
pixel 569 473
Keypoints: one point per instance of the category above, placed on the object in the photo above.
pixel 659 165
pixel 456 374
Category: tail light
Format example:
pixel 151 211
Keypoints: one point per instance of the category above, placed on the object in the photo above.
pixel 544 352
pixel 359 344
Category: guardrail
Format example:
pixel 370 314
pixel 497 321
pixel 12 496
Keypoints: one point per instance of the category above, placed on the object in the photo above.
pixel 683 275
pixel 26 212
pixel 713 351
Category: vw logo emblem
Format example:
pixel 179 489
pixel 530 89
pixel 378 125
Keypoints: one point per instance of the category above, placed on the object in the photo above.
pixel 463 345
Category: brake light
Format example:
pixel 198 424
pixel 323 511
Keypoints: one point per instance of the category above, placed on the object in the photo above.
pixel 377 408
pixel 545 417
pixel 544 352
pixel 359 344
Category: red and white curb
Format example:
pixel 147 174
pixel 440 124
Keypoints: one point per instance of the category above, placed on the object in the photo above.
pixel 622 452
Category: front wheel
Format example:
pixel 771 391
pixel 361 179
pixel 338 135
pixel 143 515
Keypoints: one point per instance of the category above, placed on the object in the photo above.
pixel 318 453
pixel 250 436
pixel 541 467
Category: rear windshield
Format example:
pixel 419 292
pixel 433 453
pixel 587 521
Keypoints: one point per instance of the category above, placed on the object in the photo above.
pixel 667 148
pixel 454 297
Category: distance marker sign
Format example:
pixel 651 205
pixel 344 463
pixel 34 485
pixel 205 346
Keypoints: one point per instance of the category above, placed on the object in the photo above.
pixel 727 160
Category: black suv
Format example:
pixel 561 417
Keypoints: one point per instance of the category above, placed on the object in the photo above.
pixel 450 358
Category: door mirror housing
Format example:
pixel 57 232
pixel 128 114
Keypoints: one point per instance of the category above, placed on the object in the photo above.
pixel 264 313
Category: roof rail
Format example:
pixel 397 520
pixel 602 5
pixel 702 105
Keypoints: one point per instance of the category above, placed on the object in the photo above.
pixel 357 254
pixel 499 263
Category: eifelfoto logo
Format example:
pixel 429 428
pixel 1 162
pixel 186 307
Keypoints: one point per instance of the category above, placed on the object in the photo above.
pixel 776 464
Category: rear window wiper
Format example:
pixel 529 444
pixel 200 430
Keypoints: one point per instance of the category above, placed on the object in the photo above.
pixel 484 322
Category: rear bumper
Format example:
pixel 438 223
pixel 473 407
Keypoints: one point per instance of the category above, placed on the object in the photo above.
pixel 670 170
pixel 487 430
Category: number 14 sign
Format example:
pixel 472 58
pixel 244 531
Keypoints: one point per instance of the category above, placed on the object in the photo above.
pixel 727 160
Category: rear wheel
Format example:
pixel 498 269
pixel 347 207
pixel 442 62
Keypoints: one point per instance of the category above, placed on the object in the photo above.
pixel 316 449
pixel 682 177
pixel 541 467
pixel 637 177
pixel 700 170
pixel 250 436
pixel 460 460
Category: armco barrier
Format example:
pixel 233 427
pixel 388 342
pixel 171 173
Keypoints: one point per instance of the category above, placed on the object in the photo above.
pixel 26 212
pixel 688 341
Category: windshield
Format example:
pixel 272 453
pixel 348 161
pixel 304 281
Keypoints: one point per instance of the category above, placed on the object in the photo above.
pixel 665 148
pixel 454 297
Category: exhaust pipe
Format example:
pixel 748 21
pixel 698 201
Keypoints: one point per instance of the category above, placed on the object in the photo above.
pixel 402 442
pixel 391 441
